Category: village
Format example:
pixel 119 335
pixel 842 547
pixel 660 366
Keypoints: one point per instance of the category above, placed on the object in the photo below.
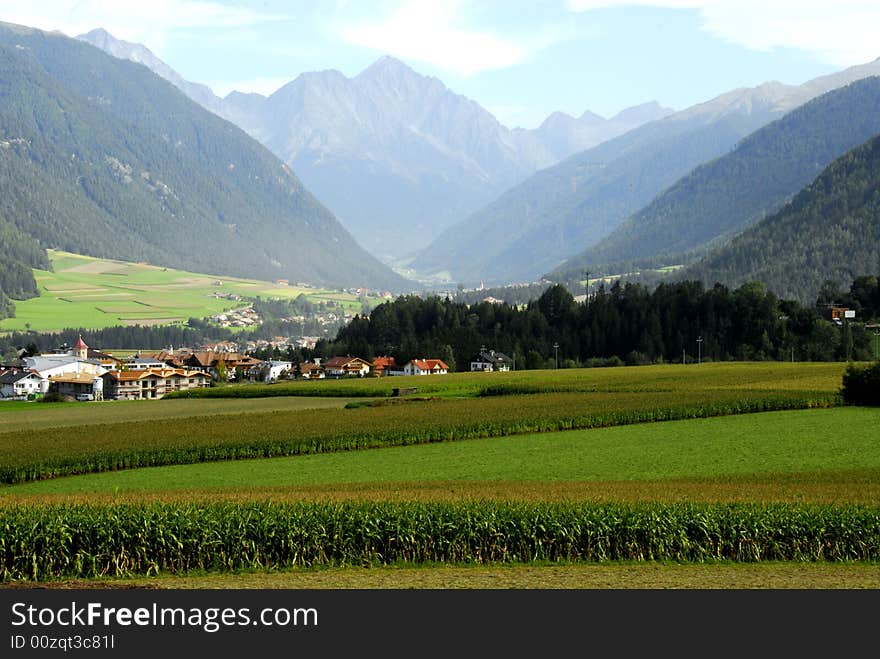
pixel 85 374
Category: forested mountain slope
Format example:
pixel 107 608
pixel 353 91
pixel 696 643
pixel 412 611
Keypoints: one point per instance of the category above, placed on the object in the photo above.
pixel 721 198
pixel 829 231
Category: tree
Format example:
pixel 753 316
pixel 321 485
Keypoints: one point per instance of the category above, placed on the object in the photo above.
pixel 221 374
pixel 447 355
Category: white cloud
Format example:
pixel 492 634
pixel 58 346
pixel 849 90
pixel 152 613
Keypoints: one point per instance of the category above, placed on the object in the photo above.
pixel 843 32
pixel 140 21
pixel 264 86
pixel 428 31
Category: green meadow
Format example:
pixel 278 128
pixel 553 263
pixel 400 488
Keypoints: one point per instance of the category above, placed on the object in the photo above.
pixel 91 293
pixel 785 447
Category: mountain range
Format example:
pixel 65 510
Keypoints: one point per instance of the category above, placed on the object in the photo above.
pixel 537 225
pixel 721 198
pixel 102 157
pixel 415 157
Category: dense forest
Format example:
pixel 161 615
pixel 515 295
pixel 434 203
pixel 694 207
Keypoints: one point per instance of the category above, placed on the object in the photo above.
pixel 830 230
pixel 721 198
pixel 624 323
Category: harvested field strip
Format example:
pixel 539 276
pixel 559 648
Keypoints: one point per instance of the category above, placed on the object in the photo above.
pixel 655 575
pixel 36 455
pixel 844 487
pixel 83 541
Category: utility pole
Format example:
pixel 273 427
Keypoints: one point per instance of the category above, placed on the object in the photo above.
pixel 556 350
pixel 587 283
pixel 700 349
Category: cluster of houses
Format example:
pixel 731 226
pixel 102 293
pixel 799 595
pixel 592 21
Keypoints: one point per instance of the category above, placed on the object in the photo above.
pixel 243 317
pixel 87 374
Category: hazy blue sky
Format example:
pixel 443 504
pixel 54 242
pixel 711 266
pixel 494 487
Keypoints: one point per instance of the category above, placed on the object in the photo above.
pixel 520 59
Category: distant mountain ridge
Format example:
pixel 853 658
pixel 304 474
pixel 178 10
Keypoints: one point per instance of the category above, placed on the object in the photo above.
pixel 415 157
pixel 829 231
pixel 537 225
pixel 720 198
pixel 102 157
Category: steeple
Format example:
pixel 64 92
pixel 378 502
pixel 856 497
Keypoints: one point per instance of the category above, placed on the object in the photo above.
pixel 81 350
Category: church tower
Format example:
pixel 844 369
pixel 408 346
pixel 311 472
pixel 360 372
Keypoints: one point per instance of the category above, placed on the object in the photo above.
pixel 81 350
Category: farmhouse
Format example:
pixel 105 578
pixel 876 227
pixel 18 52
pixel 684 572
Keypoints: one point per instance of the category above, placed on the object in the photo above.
pixel 22 384
pixel 82 386
pixel 342 366
pixel 425 367
pixel 151 383
pixel 490 360
pixel 383 365
pixel 273 370
pixel 312 371
pixel 209 360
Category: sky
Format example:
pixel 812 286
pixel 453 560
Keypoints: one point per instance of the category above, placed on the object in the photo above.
pixel 520 59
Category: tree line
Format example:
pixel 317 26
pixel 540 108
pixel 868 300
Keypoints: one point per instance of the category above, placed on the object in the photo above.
pixel 622 323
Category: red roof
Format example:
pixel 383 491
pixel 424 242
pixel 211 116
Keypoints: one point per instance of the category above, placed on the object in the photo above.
pixel 341 362
pixel 431 364
pixel 80 345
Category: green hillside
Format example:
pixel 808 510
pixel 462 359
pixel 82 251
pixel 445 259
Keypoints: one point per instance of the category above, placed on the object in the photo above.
pixel 721 198
pixel 90 293
pixel 829 231
pixel 100 156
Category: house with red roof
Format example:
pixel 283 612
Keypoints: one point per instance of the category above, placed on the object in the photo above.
pixel 151 383
pixel 382 365
pixel 425 367
pixel 348 365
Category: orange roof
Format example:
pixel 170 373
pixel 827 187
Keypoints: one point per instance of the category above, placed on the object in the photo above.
pixel 383 362
pixel 431 364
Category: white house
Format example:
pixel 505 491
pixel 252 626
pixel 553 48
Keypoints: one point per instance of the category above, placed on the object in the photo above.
pixel 22 384
pixel 144 363
pixel 425 367
pixel 489 360
pixel 272 370
pixel 55 365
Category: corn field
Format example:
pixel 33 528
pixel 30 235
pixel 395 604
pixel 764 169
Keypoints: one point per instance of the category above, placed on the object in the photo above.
pixel 40 543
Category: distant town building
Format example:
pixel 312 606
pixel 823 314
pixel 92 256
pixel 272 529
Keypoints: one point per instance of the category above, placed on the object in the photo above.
pixel 490 360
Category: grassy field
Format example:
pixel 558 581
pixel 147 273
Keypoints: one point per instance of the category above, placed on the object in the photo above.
pixel 780 448
pixel 110 436
pixel 26 416
pixel 92 293
pixel 754 377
